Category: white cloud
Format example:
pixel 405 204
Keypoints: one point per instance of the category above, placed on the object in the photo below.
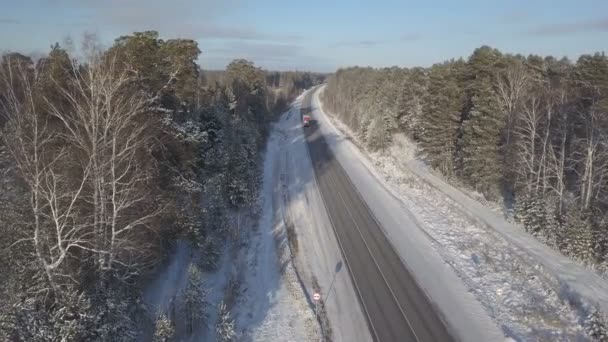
pixel 196 19
pixel 600 25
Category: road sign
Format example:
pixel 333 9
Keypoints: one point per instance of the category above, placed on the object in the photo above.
pixel 316 296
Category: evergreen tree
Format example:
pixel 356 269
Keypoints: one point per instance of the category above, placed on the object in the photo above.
pixel 441 117
pixel 600 242
pixel 483 66
pixel 596 326
pixel 531 213
pixel 480 142
pixel 224 328
pixel 194 299
pixel 412 101
pixel 248 84
pixel 577 235
pixel 163 329
pixel 241 164
pixel 378 134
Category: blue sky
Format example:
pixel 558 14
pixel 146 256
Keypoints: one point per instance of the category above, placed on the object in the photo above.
pixel 319 35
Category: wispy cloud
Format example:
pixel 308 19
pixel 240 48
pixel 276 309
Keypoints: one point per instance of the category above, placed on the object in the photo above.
pixel 410 37
pixel 558 29
pixel 357 43
pixel 265 54
pixel 515 16
pixel 8 21
pixel 196 19
pixel 216 31
pixel 366 43
pixel 255 50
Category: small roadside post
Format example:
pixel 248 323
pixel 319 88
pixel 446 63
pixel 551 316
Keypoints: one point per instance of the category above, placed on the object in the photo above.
pixel 316 297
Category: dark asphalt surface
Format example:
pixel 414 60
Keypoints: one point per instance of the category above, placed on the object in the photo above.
pixel 396 308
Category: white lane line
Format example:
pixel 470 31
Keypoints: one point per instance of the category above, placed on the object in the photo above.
pixel 378 266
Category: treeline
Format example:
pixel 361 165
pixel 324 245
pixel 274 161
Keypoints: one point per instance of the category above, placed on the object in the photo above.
pixel 533 129
pixel 283 85
pixel 104 162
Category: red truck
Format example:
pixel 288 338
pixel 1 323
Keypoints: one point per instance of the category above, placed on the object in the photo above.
pixel 306 120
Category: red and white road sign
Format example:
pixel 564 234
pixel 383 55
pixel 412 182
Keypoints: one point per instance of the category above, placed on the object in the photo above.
pixel 316 296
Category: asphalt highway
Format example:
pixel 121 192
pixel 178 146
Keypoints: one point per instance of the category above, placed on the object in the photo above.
pixel 395 307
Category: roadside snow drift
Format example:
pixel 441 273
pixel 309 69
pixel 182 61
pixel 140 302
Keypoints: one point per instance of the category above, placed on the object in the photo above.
pixel 272 305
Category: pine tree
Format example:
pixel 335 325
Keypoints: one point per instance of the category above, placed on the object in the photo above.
pixel 242 164
pixel 480 142
pixel 411 100
pixel 596 326
pixel 577 233
pixel 224 328
pixel 378 134
pixel 441 117
pixel 531 213
pixel 211 252
pixel 164 330
pixel 115 320
pixel 600 244
pixel 194 299
pixel 483 65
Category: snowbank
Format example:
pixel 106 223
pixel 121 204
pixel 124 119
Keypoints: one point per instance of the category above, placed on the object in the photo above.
pixel 272 305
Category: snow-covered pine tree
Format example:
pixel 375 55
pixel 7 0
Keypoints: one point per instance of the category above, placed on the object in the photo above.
pixel 224 328
pixel 531 213
pixel 194 299
pixel 7 324
pixel 411 100
pixel 600 244
pixel 438 126
pixel 480 141
pixel 577 235
pixel 378 134
pixel 163 329
pixel 211 252
pixel 242 163
pixel 386 105
pixel 596 326
pixel 114 320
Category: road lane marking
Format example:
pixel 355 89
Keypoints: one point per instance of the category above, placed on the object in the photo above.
pixel 378 266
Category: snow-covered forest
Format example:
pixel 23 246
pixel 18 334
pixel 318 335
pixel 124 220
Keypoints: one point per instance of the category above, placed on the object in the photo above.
pixel 527 132
pixel 108 159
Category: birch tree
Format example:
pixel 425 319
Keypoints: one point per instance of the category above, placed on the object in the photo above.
pixel 55 229
pixel 107 124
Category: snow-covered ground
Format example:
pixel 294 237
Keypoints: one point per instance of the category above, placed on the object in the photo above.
pixel 162 293
pixel 273 305
pixel 530 291
pixel 266 296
